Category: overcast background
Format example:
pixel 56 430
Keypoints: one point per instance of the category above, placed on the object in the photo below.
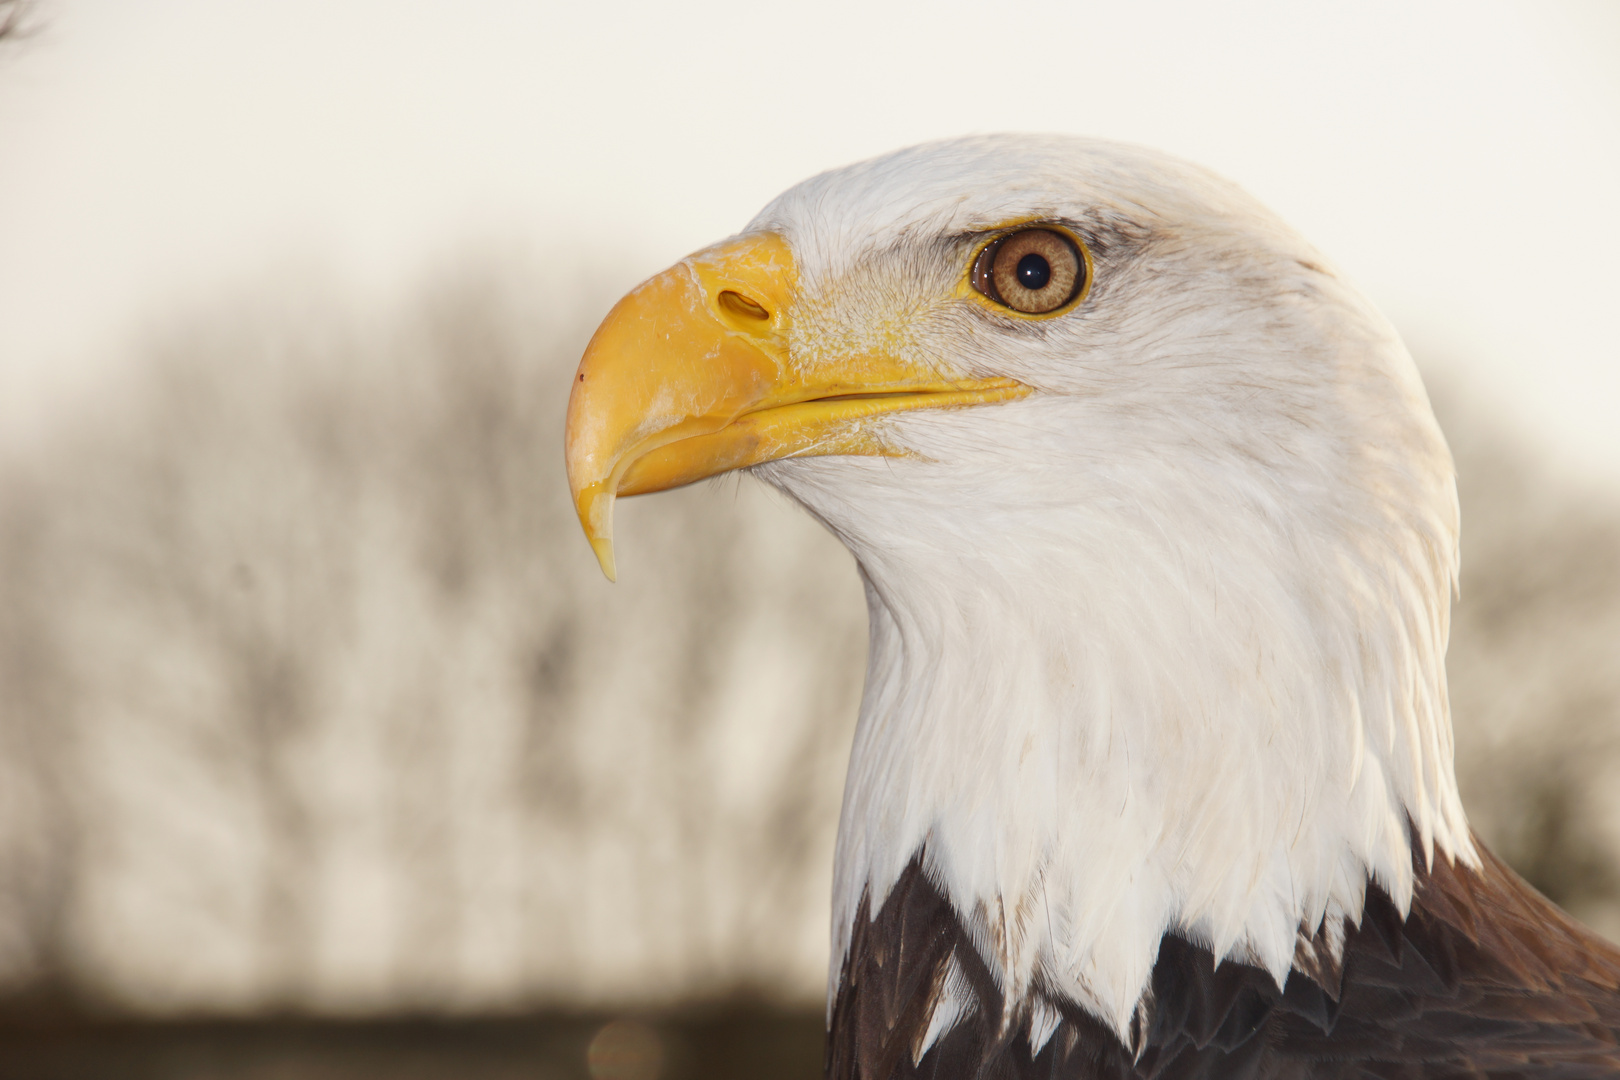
pixel 311 695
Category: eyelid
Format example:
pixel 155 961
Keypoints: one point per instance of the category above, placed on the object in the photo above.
pixel 980 276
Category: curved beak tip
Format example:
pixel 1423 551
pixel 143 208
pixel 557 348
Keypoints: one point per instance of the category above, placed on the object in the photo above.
pixel 603 546
pixel 595 508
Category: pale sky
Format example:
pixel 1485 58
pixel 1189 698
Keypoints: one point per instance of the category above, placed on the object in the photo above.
pixel 1460 160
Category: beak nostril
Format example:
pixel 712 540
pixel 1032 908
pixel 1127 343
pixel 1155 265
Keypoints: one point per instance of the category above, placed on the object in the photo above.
pixel 737 304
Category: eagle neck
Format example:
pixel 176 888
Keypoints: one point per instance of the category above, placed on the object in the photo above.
pixel 1079 782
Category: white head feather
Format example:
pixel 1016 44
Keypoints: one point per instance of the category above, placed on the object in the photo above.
pixel 1161 646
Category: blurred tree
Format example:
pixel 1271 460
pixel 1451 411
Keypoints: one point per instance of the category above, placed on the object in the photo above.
pixel 11 17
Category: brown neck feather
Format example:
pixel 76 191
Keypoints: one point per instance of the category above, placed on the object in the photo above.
pixel 1485 977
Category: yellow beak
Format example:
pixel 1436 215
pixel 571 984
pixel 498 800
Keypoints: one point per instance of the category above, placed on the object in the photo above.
pixel 692 374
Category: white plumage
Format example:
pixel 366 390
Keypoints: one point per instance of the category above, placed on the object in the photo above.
pixel 1153 772
pixel 1161 646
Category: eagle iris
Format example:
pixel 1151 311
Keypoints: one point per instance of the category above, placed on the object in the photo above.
pixel 1034 271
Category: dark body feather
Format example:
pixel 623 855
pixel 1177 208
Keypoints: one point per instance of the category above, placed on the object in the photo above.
pixel 1485 979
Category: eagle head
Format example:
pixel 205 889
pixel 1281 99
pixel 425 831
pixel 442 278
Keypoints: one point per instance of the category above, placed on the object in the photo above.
pixel 1157 529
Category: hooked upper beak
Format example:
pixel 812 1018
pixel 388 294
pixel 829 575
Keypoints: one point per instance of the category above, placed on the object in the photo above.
pixel 692 374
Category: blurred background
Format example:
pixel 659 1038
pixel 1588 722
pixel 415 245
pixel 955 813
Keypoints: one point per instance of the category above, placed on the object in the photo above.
pixel 325 750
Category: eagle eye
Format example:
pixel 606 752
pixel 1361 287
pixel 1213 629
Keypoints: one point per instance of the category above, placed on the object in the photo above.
pixel 1033 271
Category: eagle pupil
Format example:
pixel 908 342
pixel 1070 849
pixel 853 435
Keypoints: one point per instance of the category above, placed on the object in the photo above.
pixel 1034 272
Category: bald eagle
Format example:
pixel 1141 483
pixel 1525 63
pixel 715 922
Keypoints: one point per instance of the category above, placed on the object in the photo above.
pixel 1153 773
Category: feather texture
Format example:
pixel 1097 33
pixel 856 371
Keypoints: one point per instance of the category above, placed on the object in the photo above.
pixel 1159 647
pixel 1153 775
pixel 1484 978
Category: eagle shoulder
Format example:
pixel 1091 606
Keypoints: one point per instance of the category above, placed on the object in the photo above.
pixel 1484 977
